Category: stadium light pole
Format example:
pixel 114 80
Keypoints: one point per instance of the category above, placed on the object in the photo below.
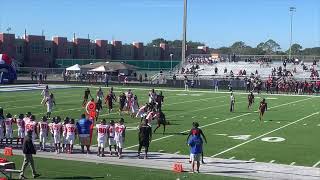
pixel 171 60
pixel 184 36
pixel 292 10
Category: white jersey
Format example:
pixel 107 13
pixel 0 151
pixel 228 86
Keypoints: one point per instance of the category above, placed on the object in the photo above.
pixel 134 105
pixel 8 123
pixel 102 131
pixel 119 132
pixel 45 93
pixel 26 119
pixel 56 129
pixel 31 126
pixel 152 96
pixel 70 130
pixel 111 130
pixel 232 99
pixel 20 124
pixel 43 127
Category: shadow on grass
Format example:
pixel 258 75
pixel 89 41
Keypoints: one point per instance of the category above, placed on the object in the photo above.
pixel 231 172
pixel 74 177
pixel 173 133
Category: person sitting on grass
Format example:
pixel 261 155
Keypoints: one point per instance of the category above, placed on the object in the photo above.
pixel 195 144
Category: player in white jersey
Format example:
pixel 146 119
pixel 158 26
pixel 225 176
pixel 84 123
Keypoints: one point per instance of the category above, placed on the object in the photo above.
pixel 120 136
pixel 31 125
pixel 50 101
pixel 43 129
pixel 27 118
pixel 2 126
pixel 134 106
pixel 111 134
pixel 102 130
pixel 152 96
pixel 21 125
pixel 64 134
pixel 71 131
pixel 56 130
pixel 9 130
pixel 142 112
pixel 45 93
pixel 100 94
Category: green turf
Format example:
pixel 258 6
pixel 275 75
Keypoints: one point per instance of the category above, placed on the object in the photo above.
pixel 212 111
pixel 62 169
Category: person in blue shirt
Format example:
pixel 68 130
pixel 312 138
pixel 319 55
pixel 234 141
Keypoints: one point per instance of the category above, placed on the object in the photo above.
pixel 195 143
pixel 83 127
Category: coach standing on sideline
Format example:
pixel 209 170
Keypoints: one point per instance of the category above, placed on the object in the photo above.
pixel 83 126
pixel 145 136
pixel 28 150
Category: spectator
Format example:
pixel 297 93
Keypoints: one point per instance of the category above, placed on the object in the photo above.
pixel 28 150
pixel 174 78
pixel 106 79
pixel 145 77
pixel 83 126
pixel 215 70
pixel 140 78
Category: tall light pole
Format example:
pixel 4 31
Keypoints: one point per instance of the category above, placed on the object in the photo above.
pixel 184 36
pixel 171 60
pixel 292 10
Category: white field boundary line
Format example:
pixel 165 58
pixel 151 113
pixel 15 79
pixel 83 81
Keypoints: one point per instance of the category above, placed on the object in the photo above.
pixel 202 91
pixel 204 99
pixel 316 164
pixel 165 137
pixel 267 133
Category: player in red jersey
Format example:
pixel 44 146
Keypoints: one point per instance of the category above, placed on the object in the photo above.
pixel 196 131
pixel 262 108
pixel 250 100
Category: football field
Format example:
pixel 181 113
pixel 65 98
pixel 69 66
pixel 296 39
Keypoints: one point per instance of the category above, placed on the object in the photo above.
pixel 287 135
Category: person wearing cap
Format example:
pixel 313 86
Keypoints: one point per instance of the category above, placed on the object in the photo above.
pixel 28 150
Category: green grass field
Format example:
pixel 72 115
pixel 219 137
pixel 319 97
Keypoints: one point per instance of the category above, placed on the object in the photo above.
pixel 288 134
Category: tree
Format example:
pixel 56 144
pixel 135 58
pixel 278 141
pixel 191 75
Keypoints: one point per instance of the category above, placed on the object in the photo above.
pixel 238 47
pixel 295 49
pixel 156 42
pixel 271 46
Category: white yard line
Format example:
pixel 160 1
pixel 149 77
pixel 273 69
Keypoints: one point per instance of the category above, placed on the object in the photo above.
pixel 165 137
pixel 272 161
pixel 293 163
pixel 252 159
pixel 228 119
pixel 232 157
pixel 258 137
pixel 316 164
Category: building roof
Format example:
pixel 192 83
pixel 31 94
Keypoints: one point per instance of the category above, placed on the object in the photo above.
pixel 110 66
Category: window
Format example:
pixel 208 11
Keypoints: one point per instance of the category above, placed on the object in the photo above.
pixel 108 52
pixel 69 51
pixel 19 49
pixel 92 52
pixel 47 50
pixel 83 50
pixel 35 48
